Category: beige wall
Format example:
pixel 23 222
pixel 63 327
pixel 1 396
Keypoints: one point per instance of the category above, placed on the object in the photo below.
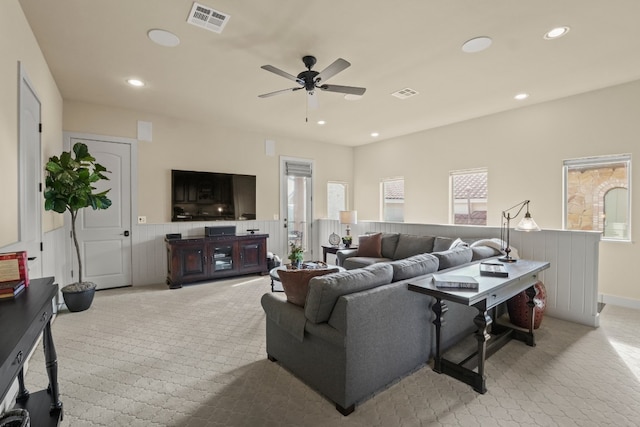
pixel 17 44
pixel 523 150
pixel 179 144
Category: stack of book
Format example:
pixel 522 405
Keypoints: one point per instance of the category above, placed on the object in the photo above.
pixel 11 289
pixel 14 274
pixel 453 282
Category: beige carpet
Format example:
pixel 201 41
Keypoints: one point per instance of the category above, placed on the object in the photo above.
pixel 150 356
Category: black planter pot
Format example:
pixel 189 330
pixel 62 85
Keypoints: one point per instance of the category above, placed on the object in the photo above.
pixel 78 299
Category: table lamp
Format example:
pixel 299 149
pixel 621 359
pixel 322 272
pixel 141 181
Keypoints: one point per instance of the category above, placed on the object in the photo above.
pixel 526 224
pixel 348 218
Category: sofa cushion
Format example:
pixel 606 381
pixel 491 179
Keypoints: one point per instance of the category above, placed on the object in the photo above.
pixel 482 252
pixel 354 262
pixel 370 245
pixel 324 291
pixel 295 282
pixel 416 265
pixel 389 243
pixel 409 245
pixel 442 244
pixel 454 257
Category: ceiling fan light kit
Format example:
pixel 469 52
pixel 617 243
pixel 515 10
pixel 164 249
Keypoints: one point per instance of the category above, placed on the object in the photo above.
pixel 310 80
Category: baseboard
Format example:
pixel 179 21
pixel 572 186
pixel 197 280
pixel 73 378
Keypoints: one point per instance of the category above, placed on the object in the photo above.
pixel 621 301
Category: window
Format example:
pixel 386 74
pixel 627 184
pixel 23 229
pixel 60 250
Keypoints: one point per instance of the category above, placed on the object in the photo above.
pixel 597 196
pixel 469 197
pixel 393 200
pixel 336 199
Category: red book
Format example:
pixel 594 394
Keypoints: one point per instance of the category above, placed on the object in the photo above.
pixel 13 266
pixel 11 291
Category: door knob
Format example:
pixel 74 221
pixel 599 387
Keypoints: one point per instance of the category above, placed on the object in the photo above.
pixel 126 233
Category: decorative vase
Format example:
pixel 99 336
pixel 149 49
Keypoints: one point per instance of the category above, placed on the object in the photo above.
pixel 78 297
pixel 519 310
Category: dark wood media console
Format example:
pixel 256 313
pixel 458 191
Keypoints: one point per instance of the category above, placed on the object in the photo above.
pixel 205 258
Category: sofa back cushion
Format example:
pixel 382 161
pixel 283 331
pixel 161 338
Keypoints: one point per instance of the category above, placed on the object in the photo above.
pixel 409 245
pixel 442 244
pixel 389 243
pixel 482 252
pixel 370 245
pixel 454 257
pixel 324 291
pixel 416 265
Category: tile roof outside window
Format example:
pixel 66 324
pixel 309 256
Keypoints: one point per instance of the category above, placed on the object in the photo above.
pixel 394 189
pixel 470 185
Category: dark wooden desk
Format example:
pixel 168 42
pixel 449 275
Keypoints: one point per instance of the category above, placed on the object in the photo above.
pixel 334 250
pixel 23 320
pixel 492 291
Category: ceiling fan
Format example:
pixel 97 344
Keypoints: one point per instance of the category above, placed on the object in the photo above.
pixel 311 80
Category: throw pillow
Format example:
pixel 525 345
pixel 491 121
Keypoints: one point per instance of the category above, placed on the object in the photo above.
pixel 296 282
pixel 370 245
pixel 458 242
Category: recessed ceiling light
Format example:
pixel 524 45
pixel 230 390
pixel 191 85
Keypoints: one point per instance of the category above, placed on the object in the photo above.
pixel 375 134
pixel 163 38
pixel 556 32
pixel 477 44
pixel 521 96
pixel 321 122
pixel 135 82
pixel 352 97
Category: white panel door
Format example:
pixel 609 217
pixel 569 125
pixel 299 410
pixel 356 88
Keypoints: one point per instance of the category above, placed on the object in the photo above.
pixel 104 235
pixel 31 170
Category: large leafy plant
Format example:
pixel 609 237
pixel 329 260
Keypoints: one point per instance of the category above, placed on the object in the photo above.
pixel 70 187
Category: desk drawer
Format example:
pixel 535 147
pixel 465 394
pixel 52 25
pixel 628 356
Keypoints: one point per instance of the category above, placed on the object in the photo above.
pixel 503 294
pixel 12 365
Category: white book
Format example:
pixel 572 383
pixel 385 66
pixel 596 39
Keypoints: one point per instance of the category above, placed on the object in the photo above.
pixel 452 281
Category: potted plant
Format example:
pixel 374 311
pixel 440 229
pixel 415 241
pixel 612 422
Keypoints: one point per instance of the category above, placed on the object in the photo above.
pixel 296 255
pixel 70 187
pixel 347 241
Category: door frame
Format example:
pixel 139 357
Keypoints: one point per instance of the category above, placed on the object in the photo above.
pixel 284 208
pixel 67 136
pixel 23 170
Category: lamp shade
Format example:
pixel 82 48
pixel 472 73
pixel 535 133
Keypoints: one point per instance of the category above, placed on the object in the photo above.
pixel 527 224
pixel 348 217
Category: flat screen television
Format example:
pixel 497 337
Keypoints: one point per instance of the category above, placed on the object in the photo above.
pixel 212 196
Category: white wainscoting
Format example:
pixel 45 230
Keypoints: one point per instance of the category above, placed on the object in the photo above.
pixel 571 281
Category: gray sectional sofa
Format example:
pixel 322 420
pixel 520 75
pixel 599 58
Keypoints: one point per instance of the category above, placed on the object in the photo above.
pixel 396 246
pixel 362 329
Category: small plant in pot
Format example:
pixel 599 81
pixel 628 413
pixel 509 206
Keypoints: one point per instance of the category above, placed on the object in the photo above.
pixel 296 255
pixel 347 241
pixel 70 187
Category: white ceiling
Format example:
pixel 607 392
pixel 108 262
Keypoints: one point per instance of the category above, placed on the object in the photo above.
pixel 93 46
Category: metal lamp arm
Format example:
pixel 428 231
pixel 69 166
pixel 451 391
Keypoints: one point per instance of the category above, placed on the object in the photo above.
pixel 507 216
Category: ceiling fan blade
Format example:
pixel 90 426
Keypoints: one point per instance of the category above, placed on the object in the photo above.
pixel 351 90
pixel 282 73
pixel 333 69
pixel 267 95
pixel 312 100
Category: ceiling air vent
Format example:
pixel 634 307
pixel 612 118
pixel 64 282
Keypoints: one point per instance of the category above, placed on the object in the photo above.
pixel 405 93
pixel 205 17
